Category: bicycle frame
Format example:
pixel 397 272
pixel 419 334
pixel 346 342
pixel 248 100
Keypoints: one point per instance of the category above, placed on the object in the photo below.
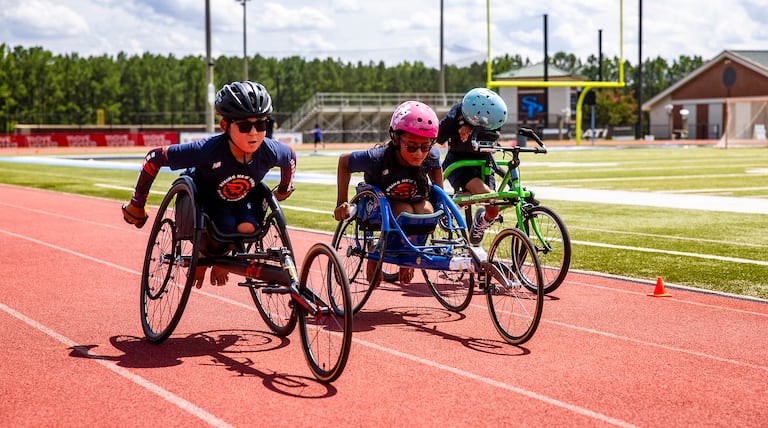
pixel 508 170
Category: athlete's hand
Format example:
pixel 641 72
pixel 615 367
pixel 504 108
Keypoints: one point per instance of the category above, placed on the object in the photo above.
pixel 135 215
pixel 281 196
pixel 342 212
pixel 465 132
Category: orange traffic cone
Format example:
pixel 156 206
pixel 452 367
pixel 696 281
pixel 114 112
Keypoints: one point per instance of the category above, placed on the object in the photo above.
pixel 659 291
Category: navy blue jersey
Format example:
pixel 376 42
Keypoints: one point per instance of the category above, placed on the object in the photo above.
pixel 449 130
pixel 399 182
pixel 220 178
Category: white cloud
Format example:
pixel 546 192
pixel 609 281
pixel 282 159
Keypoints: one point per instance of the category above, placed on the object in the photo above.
pixel 392 30
pixel 43 20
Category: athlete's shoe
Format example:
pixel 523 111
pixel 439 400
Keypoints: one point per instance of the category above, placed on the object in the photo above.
pixel 477 230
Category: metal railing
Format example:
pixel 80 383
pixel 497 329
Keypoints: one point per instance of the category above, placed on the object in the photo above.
pixel 340 101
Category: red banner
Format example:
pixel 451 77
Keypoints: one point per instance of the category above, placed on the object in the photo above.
pixel 84 139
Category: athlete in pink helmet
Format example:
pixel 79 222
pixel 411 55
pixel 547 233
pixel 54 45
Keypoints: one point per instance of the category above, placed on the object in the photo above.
pixel 402 168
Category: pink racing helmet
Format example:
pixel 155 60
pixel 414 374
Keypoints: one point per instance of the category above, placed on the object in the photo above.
pixel 415 117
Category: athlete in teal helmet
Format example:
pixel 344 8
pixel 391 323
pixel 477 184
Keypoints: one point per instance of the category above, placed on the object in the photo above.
pixel 480 108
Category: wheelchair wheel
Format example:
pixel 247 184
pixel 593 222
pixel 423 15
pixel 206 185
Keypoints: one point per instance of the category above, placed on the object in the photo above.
pixel 514 286
pixel 353 241
pixel 554 247
pixel 275 306
pixel 453 289
pixel 169 263
pixel 326 336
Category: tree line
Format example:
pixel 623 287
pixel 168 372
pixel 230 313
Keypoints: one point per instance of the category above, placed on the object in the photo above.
pixel 38 87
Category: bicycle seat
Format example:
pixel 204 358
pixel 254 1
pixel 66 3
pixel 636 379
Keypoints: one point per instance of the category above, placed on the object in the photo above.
pixel 418 224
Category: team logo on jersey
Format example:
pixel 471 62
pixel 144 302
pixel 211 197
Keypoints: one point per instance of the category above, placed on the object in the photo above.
pixel 402 189
pixel 235 187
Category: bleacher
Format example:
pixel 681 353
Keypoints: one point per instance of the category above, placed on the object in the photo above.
pixel 355 117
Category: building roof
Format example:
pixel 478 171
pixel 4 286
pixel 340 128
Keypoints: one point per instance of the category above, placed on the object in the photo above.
pixel 752 59
pixel 536 72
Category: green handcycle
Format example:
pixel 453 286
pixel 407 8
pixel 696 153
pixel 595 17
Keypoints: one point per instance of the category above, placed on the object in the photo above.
pixel 543 225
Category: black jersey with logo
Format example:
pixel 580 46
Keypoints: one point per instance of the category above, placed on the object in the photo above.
pixel 398 182
pixel 219 177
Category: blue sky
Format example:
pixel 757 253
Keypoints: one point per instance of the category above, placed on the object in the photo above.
pixel 392 31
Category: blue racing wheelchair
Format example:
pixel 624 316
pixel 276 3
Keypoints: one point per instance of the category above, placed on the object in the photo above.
pixel 436 244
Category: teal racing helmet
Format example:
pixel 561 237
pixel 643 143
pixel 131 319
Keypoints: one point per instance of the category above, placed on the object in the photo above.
pixel 485 108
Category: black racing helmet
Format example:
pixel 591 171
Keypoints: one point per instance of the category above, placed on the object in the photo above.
pixel 243 100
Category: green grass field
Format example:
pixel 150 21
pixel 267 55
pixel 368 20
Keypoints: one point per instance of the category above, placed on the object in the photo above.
pixel 713 250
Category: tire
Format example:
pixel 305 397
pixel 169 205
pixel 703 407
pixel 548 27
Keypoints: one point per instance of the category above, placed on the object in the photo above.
pixel 169 262
pixel 354 240
pixel 327 337
pixel 514 286
pixel 453 289
pixel 554 251
pixel 274 303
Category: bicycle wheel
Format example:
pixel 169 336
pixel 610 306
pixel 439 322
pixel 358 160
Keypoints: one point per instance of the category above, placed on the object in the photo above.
pixel 274 303
pixel 169 263
pixel 326 336
pixel 553 247
pixel 453 289
pixel 514 272
pixel 353 241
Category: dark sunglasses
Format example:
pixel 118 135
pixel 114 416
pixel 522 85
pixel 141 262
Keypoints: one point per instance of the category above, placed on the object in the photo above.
pixel 245 126
pixel 412 148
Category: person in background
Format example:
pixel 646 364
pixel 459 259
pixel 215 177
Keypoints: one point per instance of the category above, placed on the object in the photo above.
pixel 317 135
pixel 402 168
pixel 482 108
pixel 226 167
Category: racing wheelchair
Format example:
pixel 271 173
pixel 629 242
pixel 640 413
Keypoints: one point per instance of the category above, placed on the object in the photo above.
pixel 183 238
pixel 436 244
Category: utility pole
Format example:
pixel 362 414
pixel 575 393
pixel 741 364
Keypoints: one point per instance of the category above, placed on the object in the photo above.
pixel 209 90
pixel 639 130
pixel 442 66
pixel 245 51
pixel 546 75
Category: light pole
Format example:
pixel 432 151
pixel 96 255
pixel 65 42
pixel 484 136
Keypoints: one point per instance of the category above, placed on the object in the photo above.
pixel 245 51
pixel 209 116
pixel 442 66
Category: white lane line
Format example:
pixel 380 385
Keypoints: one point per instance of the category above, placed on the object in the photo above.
pixel 503 385
pixel 675 253
pixel 492 382
pixel 120 371
pixel 594 244
pixel 693 290
pixel 660 346
pixel 653 199
pixel 671 237
pixel 66 217
pixel 283 206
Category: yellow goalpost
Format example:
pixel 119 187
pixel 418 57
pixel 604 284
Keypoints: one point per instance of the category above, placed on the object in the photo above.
pixel 586 85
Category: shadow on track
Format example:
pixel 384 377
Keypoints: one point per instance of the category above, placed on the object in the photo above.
pixel 231 349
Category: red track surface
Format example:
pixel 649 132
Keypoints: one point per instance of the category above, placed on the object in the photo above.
pixel 604 354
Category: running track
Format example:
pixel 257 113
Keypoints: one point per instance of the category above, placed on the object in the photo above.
pixel 605 353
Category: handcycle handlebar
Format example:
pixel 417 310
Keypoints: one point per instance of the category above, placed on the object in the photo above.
pixel 492 145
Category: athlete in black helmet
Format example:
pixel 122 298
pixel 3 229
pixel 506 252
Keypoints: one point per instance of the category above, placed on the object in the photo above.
pixel 226 167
